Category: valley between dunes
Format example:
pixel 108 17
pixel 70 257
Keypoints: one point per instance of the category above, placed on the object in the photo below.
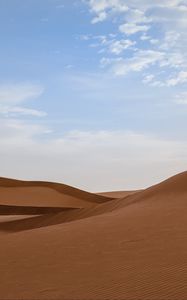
pixel 59 242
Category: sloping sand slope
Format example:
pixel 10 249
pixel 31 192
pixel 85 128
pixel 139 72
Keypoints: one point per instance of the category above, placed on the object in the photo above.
pixel 35 193
pixel 132 248
pixel 40 196
pixel 118 194
pixel 59 187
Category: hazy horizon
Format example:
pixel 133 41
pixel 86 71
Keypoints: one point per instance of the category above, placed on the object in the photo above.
pixel 93 93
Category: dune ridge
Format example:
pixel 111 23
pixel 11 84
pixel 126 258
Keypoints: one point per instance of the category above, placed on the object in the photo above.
pixel 118 194
pixel 59 187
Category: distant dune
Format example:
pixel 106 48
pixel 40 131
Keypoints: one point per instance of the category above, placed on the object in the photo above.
pixel 118 194
pixel 58 242
pixel 38 193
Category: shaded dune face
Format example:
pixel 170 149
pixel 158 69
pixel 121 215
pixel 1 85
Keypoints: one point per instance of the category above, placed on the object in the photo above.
pixel 132 247
pixel 61 188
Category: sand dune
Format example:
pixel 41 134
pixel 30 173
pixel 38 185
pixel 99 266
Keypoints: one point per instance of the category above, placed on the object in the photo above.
pixel 36 193
pixel 118 194
pixel 40 196
pixel 127 249
pixel 60 188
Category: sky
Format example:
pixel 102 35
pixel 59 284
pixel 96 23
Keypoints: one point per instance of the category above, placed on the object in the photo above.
pixel 93 93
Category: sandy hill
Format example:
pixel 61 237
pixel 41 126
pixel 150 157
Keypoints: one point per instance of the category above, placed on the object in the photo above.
pixel 38 193
pixel 128 248
pixel 118 194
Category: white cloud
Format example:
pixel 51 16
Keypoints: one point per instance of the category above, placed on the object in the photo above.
pixel 181 77
pixel 101 17
pixel 144 11
pixel 137 16
pixel 181 98
pixel 109 43
pixel 106 7
pixel 18 110
pixel 130 28
pixel 18 133
pixel 115 161
pixel 170 40
pixel 148 78
pixel 119 46
pixel 166 21
pixel 140 61
pixel 183 7
pixel 145 37
pixel 154 41
pixel 18 93
pixel 147 4
pixel 98 6
pixel 136 9
pixel 12 95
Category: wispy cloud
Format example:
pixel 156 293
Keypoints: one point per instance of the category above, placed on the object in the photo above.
pixel 158 29
pixel 140 61
pixel 100 17
pixel 181 98
pixel 130 28
pixel 18 133
pixel 13 95
pixel 19 92
pixel 180 77
pixel 19 110
pixel 99 7
pixel 119 46
pixel 109 43
pixel 65 158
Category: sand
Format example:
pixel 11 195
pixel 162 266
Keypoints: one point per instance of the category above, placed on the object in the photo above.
pixel 123 248
pixel 118 194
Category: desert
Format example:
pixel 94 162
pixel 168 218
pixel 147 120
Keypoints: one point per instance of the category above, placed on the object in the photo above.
pixel 130 247
pixel 93 150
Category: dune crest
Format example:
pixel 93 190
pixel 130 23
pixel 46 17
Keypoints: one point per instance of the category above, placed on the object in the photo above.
pixel 59 187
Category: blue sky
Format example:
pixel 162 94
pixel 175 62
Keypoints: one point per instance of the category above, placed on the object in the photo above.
pixel 93 93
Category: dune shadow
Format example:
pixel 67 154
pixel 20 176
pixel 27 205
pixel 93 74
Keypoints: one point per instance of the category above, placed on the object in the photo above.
pixel 37 221
pixel 30 210
pixel 65 215
pixel 47 216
